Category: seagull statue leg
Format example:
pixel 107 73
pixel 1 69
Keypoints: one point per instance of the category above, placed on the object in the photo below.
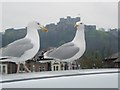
pixel 18 67
pixel 69 65
pixel 26 68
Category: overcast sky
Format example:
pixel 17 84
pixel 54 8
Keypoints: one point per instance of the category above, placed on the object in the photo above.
pixel 17 15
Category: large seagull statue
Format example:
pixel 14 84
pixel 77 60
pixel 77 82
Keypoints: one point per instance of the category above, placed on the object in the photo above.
pixel 23 49
pixel 70 51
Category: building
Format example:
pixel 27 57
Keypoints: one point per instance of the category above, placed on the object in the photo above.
pixel 61 65
pixel 69 20
pixel 34 66
pixel 8 67
pixel 75 65
pixel 58 66
pixel 117 63
pixel 90 27
pixel 112 61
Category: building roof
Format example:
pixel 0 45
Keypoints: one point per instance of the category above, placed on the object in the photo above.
pixel 113 56
pixel 117 60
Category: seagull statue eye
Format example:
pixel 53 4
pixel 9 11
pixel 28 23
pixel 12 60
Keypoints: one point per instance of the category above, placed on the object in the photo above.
pixel 38 23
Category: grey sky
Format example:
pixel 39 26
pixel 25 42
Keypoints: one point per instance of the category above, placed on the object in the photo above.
pixel 17 15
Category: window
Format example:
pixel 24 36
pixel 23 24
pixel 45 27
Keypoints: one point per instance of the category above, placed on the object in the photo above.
pixel 3 68
pixel 56 68
pixel 62 67
pixel 40 69
pixel 43 68
pixel 33 68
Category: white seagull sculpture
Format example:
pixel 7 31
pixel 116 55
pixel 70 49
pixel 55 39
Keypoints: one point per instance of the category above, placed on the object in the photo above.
pixel 26 48
pixel 70 51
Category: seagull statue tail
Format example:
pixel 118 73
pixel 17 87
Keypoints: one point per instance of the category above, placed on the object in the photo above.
pixel 3 59
pixel 46 54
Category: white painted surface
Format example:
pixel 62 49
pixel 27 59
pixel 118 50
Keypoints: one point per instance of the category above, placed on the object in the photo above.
pixel 108 80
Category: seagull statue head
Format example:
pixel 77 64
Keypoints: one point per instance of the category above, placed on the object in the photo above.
pixel 33 27
pixel 79 25
pixel 38 26
pixel 42 27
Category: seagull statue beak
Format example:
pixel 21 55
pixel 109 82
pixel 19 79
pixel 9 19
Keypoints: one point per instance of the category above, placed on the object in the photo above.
pixel 76 25
pixel 44 29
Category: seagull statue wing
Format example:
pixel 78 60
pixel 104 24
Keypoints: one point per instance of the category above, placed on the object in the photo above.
pixel 17 48
pixel 65 51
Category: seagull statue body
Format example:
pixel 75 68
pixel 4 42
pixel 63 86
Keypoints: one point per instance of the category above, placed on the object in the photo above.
pixel 72 50
pixel 26 48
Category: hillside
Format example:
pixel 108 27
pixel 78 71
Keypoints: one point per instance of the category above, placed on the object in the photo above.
pixel 99 43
